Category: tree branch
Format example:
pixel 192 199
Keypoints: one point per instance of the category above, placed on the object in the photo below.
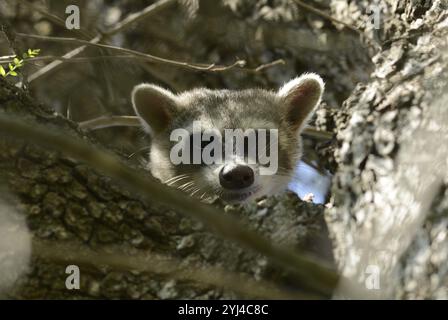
pixel 152 9
pixel 309 271
pixel 68 253
pixel 151 58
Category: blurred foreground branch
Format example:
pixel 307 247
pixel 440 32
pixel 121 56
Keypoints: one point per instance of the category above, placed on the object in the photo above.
pixel 307 270
pixel 114 257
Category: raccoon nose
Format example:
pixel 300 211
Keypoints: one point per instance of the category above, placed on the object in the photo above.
pixel 238 177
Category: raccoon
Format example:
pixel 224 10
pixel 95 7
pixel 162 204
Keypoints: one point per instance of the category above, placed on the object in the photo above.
pixel 235 179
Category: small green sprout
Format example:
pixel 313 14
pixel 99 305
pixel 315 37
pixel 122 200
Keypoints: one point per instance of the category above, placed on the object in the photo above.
pixel 18 63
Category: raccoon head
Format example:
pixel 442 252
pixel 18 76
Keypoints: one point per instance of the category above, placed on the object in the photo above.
pixel 273 119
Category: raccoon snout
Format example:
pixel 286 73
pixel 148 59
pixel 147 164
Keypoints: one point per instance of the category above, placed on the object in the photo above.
pixel 236 177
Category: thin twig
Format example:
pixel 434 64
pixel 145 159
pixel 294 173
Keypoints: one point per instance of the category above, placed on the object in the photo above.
pixel 152 9
pixel 151 58
pixel 51 66
pixel 327 16
pixel 136 17
pixel 82 33
pixel 55 19
pixel 212 67
pixel 10 59
pixel 269 65
pixel 133 121
pixel 321 13
pixel 107 122
pixel 312 274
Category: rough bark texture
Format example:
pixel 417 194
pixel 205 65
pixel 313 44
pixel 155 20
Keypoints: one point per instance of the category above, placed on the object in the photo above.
pixel 389 195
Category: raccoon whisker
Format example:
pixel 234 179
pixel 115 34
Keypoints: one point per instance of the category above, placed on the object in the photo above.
pixel 185 177
pixel 142 162
pixel 206 195
pixel 138 151
pixel 191 187
pixel 195 190
pixel 188 190
pixel 175 178
pixel 201 190
pixel 193 193
pixel 186 185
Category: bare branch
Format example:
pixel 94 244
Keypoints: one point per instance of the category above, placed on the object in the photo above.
pixel 133 18
pixel 51 66
pixel 326 16
pixel 310 8
pixel 10 59
pixel 151 58
pixel 107 122
pixel 120 26
pixel 114 257
pixel 54 18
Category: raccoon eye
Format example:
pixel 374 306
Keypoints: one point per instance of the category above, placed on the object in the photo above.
pixel 203 144
pixel 206 143
pixel 266 147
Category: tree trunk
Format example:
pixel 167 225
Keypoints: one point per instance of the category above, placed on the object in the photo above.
pixel 390 189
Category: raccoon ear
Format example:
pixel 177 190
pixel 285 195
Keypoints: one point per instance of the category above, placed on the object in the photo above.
pixel 154 106
pixel 301 96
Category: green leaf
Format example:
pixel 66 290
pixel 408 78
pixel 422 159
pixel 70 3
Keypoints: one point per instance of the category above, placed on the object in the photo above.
pixel 2 71
pixel 25 55
pixel 11 67
pixel 32 53
pixel 16 61
pixel 13 73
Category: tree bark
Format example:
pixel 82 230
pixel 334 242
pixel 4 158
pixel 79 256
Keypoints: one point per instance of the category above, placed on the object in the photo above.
pixel 390 188
pixel 388 211
pixel 65 201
